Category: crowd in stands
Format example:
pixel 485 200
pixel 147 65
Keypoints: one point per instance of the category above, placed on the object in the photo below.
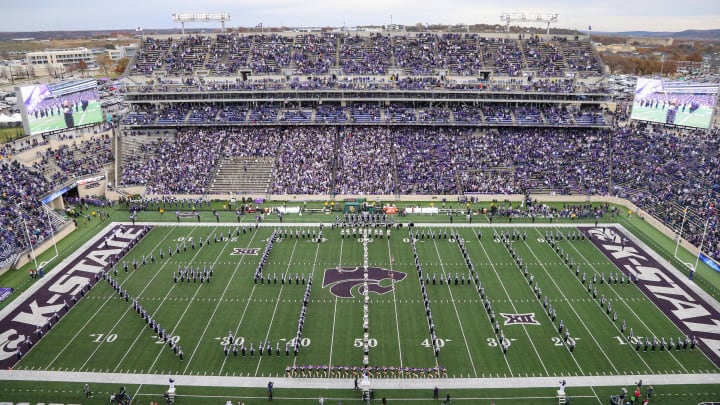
pixel 305 161
pixel 229 52
pixel 184 162
pixel 175 165
pixel 79 159
pixel 360 113
pixel 417 54
pixel 365 163
pixel 24 184
pixel 270 53
pixel 10 149
pixel 370 83
pixel 665 172
pixel 661 172
pixel 20 208
pixel 314 54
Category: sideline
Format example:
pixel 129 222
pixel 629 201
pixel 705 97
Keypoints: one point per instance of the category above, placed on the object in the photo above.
pixel 347 383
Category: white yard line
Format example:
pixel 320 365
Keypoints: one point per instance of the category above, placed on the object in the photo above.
pixel 572 308
pixel 457 314
pixel 629 307
pixel 139 335
pixel 277 300
pixel 564 345
pixel 197 290
pixel 596 395
pixel 499 345
pixel 247 304
pixel 397 323
pixel 219 302
pixel 437 363
pixel 108 300
pixel 510 300
pixel 332 334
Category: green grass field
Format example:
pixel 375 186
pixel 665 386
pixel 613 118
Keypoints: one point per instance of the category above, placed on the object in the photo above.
pixel 103 334
pixel 10 134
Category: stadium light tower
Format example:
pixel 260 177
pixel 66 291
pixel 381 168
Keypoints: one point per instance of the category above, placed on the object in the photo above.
pixel 529 17
pixel 182 18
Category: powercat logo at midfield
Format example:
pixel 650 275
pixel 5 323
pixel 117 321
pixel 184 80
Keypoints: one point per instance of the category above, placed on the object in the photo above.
pixel 21 319
pixel 343 280
pixel 671 294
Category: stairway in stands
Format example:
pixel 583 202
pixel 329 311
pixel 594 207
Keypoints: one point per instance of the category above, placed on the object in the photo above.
pixel 242 175
pixel 56 219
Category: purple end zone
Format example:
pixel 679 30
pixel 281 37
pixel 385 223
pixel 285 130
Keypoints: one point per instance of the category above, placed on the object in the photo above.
pixel 73 279
pixel 672 295
pixel 342 280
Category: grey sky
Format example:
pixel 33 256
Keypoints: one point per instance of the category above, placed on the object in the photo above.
pixel 607 15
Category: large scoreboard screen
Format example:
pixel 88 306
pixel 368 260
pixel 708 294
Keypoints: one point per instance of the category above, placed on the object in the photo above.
pixel 674 102
pixel 59 106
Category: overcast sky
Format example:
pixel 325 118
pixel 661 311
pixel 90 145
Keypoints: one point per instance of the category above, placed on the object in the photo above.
pixel 603 15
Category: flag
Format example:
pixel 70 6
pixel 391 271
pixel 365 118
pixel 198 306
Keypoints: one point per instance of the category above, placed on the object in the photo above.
pixel 259 25
pixel 139 28
pixel 589 28
pixel 36 96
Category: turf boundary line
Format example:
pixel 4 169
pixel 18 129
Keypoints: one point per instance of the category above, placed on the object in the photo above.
pixel 346 383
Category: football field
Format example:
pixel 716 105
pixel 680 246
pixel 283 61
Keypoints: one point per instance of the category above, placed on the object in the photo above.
pixel 470 277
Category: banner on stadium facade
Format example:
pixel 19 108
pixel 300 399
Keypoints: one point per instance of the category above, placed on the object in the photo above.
pixel 710 262
pixel 57 193
pixel 422 210
pixel 5 292
pixel 90 180
pixel 288 210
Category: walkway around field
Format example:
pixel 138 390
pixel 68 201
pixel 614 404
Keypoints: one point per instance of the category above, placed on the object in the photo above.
pixel 375 383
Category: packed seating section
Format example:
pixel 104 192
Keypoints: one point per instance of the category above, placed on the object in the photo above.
pixel 660 170
pixel 526 148
pixel 372 54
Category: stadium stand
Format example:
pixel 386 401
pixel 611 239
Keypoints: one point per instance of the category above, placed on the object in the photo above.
pixel 386 113
pixel 22 219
